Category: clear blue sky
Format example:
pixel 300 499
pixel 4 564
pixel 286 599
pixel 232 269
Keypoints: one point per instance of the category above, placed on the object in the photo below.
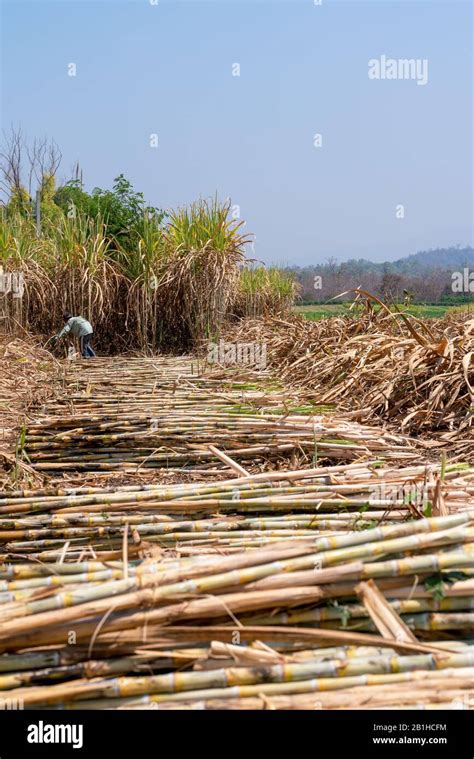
pixel 167 69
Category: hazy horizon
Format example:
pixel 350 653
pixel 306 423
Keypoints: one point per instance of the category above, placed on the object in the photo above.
pixel 305 70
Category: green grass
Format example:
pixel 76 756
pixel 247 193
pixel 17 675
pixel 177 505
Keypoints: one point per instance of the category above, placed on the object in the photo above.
pixel 323 310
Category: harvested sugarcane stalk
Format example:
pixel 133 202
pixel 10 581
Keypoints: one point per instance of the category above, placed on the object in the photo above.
pixel 151 414
pixel 168 596
pixel 240 586
pixel 383 615
pixel 228 515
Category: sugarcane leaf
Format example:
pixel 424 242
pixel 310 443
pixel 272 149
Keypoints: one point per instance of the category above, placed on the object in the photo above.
pixel 436 584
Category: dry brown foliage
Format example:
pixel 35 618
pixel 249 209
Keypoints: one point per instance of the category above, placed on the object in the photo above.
pixel 417 374
pixel 29 376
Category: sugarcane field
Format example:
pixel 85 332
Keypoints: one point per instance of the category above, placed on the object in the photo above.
pixel 236 377
pixel 275 534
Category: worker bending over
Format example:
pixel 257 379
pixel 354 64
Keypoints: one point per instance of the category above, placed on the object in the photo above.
pixel 82 329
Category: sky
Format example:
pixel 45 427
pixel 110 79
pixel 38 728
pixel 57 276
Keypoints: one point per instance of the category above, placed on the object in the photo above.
pixel 271 103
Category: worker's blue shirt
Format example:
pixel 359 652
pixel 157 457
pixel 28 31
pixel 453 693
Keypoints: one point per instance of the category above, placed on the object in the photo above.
pixel 78 326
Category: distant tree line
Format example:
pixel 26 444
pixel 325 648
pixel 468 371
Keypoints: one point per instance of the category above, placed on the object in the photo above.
pixel 424 277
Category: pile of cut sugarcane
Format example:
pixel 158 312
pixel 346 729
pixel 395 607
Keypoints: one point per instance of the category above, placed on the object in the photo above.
pixel 250 629
pixel 54 524
pixel 160 415
pixel 256 585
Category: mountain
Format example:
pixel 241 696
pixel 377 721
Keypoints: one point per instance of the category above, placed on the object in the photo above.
pixel 426 275
pixel 454 259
